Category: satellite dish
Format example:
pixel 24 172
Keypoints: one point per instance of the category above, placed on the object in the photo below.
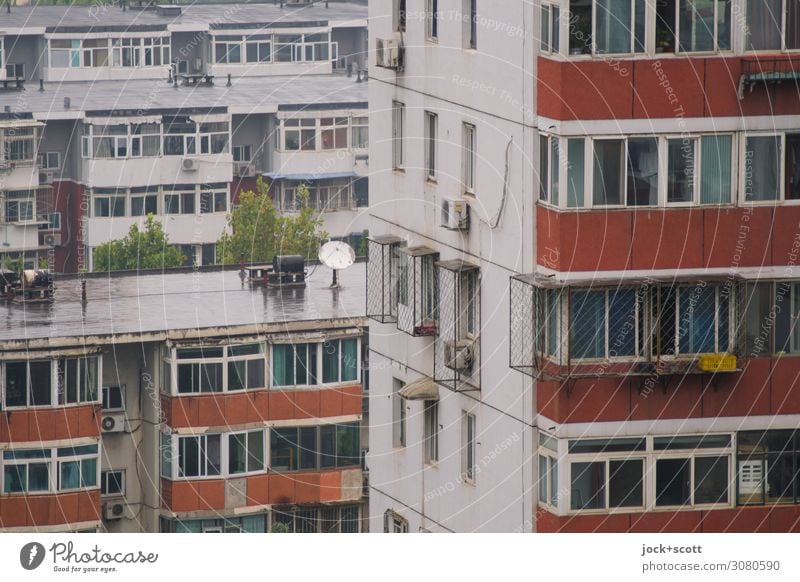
pixel 336 255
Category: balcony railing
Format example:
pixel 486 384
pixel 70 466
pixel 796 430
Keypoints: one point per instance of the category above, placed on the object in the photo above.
pixel 417 295
pixel 382 255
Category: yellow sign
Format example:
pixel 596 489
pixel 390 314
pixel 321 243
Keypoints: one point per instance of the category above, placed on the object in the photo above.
pixel 717 363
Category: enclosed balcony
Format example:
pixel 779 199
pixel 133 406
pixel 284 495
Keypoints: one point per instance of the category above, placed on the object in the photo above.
pixel 383 257
pixel 417 291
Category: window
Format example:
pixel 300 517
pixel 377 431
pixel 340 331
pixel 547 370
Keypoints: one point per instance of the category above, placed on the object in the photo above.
pixel 470 301
pixel 548 169
pixel 681 170
pixel 213 137
pixel 140 52
pixel 607 484
pixel 400 24
pixel 144 201
pixel 361 192
pixel 469 448
pixel 113 398
pixel 112 483
pixel 199 456
pixel 50 160
pixel 607 26
pixel 228 49
pixel 431 128
pixel 394 522
pixel 470 158
pixel 166 454
pixel 53 220
pixel 299 134
pixel 772 319
pixel 77 53
pixel 695 319
pixel 13 71
pixel 28 383
pixel 359 128
pixel 642 172
pixel 471 25
pixel 333 133
pixel 315 447
pixel 768 467
pixel 245 452
pixel 19 206
pixel 78 380
pixel 180 136
pixel 145 139
pixel 107 204
pixel 762 169
pixel 550 17
pixel 548 471
pixel 258 48
pixel 432 19
pixel 704 25
pixel 26 471
pixel 772 25
pixel 431 428
pixel 398 415
pixel 77 467
pixel 179 203
pixel 301 48
pixel 294 364
pixel 309 519
pixel 213 201
pixel 340 361
pixel 604 323
pixel 608 171
pixel 691 481
pixel 242 153
pixel 398 135
pixel 218 369
pixel 244 524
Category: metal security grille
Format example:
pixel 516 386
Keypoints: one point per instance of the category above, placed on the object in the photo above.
pixel 457 346
pixel 381 278
pixel 524 338
pixel 416 291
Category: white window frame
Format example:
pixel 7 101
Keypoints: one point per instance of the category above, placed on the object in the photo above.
pixel 80 459
pixel 398 135
pixel 104 483
pixel 103 399
pixel 469 158
pixel 45 159
pixel 784 19
pixel 172 361
pixel 632 31
pixel 548 11
pixel 244 152
pixel 431 431
pixel 548 496
pixel 49 460
pixel 782 162
pixel 264 452
pixel 432 20
pixel 54 383
pixel 469 447
pixel 170 448
pixel 399 416
pixel 21 199
pixel 431 152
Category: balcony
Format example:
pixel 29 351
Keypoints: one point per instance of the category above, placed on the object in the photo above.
pixel 383 257
pixel 416 302
pixel 645 327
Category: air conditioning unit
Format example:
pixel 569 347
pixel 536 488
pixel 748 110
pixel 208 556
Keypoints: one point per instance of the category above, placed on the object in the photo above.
pixel 114 510
pixel 46 177
pixel 458 355
pixel 244 169
pixel 52 240
pixel 190 164
pixel 388 53
pixel 114 422
pixel 455 214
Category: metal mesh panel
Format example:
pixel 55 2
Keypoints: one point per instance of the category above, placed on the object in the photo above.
pixel 522 351
pixel 416 297
pixel 456 351
pixel 380 281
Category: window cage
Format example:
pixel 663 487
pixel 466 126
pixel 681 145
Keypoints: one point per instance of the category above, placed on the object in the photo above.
pixel 639 328
pixel 417 291
pixel 382 257
pixel 457 345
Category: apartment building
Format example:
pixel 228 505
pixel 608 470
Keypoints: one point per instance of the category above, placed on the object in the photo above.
pixel 111 113
pixel 189 401
pixel 644 350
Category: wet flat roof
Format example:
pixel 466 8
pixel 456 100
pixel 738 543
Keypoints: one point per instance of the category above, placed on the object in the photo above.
pixel 245 95
pixel 193 16
pixel 188 300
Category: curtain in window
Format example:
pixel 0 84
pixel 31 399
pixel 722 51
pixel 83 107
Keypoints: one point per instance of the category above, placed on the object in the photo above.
pixel 70 475
pixel 39 477
pixel 697 317
pixel 350 360
pixel 254 524
pixel 622 322
pixel 588 326
pixel 762 168
pixel 715 169
pixel 88 472
pixel 643 172
pixel 764 24
pixel 613 26
pixel 14 478
pixel 237 462
pixel 696 21
pixel 792 24
pixel 282 365
pixel 330 361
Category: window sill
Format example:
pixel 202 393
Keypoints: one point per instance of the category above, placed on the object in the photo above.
pixel 43 407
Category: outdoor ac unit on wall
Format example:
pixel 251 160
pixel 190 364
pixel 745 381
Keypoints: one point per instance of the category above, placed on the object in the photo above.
pixel 114 510
pixel 455 214
pixel 388 53
pixel 459 355
pixel 190 164
pixel 113 422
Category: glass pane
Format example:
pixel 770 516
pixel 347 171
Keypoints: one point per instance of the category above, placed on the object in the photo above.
pixel 696 21
pixel 643 172
pixel 237 374
pixel 588 324
pixel 575 173
pixel 763 29
pixel 308 447
pixel 89 473
pixel 587 490
pixel 710 480
pixel 626 483
pixel 613 26
pixel 715 169
pixel 16 383
pixel 580 29
pixel 237 455
pixel 330 362
pixel 680 170
pixel 793 161
pixel 762 168
pixel 189 457
pixel 255 373
pixel 697 319
pixel 673 482
pixel 608 169
pixel 14 479
pixel 554 483
pixel 348 445
pixel 70 475
pixel 283 449
pixel 350 360
pixel 41 383
pixel 255 451
pixel 782 475
pixel 622 323
pixel 38 477
pixel 691 442
pixel 543 479
pixel 607 445
pixel 724 24
pixel 327 446
pixel 554 170
pixel 211 452
pixel 544 168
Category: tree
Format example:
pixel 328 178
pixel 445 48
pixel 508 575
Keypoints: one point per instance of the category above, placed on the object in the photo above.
pixel 259 232
pixel 141 249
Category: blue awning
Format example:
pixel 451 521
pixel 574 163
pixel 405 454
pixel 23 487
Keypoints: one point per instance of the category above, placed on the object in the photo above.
pixel 309 177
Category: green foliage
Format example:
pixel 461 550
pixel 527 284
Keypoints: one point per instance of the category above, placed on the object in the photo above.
pixel 13 263
pixel 259 232
pixel 278 527
pixel 141 249
pixel 362 245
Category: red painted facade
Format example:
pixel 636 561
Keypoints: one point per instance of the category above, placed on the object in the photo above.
pixel 49 510
pixel 48 424
pixel 657 88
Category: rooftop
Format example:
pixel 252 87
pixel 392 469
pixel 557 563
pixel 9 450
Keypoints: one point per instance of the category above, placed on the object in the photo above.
pixel 245 95
pixel 100 17
pixel 178 304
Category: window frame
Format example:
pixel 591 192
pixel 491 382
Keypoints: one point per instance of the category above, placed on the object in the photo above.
pixel 398 136
pixel 469 158
pixel 469 447
pixel 431 149
pixel 104 474
pixel 430 437
pixel 173 361
pixel 54 383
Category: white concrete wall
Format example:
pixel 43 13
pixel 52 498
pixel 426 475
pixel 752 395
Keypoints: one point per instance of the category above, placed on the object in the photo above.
pixel 491 88
pixel 132 172
pixel 181 228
